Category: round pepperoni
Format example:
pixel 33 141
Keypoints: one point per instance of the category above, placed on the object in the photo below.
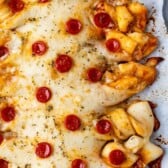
pixel 8 114
pixel 63 63
pixel 78 163
pixel 43 150
pixel 113 45
pixel 72 122
pixel 3 51
pixel 3 163
pixel 16 5
pixel 73 26
pixel 102 20
pixel 94 74
pixel 39 48
pixel 1 138
pixel 117 157
pixel 43 94
pixel 103 126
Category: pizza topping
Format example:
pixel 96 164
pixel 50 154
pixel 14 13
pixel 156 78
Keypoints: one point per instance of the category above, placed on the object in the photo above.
pixel 3 51
pixel 16 5
pixel 102 20
pixel 94 74
pixel 73 26
pixel 8 114
pixel 63 63
pixel 43 94
pixel 72 122
pixel 117 157
pixel 3 163
pixel 43 150
pixel 113 45
pixel 103 126
pixel 1 138
pixel 39 48
pixel 78 163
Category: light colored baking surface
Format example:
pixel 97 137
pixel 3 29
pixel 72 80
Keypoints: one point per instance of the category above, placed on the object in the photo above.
pixel 158 92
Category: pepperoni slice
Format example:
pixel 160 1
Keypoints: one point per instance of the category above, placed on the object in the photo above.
pixel 94 74
pixel 103 126
pixel 73 26
pixel 63 63
pixel 102 20
pixel 1 138
pixel 39 48
pixel 78 163
pixel 117 157
pixel 43 150
pixel 43 94
pixel 3 51
pixel 8 114
pixel 16 5
pixel 113 45
pixel 72 122
pixel 3 163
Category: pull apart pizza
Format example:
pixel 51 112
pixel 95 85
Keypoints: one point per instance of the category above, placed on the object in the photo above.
pixel 66 71
pixel 131 130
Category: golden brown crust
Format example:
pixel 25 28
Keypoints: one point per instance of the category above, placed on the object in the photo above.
pixel 129 20
pixel 132 127
pixel 131 76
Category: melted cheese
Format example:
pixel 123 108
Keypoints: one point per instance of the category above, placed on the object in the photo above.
pixel 36 122
pixel 22 73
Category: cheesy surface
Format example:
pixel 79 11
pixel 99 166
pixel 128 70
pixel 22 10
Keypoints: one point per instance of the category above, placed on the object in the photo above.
pixel 22 72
